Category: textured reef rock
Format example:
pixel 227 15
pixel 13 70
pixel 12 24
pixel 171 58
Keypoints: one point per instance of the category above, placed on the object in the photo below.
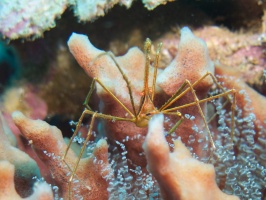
pixel 151 4
pixel 119 170
pixel 20 19
pixel 26 18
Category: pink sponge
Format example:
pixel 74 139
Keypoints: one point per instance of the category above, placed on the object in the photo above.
pixel 105 69
pixel 191 63
pixel 179 175
pixel 42 191
pixel 48 143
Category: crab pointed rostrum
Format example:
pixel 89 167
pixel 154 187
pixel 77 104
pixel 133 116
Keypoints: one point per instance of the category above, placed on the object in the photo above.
pixel 147 107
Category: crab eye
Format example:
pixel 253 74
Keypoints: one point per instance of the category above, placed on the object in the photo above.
pixel 148 114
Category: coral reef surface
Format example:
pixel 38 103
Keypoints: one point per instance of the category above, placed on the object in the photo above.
pixel 180 118
pixel 190 83
pixel 30 18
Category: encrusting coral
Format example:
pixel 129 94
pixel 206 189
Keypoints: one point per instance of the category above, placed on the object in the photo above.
pixel 180 176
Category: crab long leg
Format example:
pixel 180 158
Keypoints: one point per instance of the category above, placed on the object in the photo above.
pixel 86 102
pixel 233 107
pixel 123 75
pixel 179 94
pixel 94 115
pixel 173 97
pixel 201 112
pixel 200 101
pixel 74 134
pixel 81 153
pixel 99 115
pixel 86 111
pixel 177 123
pixel 114 97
